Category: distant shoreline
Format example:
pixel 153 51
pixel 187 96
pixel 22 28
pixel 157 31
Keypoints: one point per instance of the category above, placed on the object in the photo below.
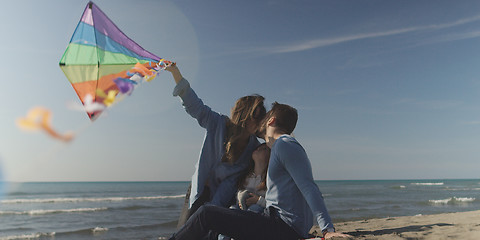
pixel 184 181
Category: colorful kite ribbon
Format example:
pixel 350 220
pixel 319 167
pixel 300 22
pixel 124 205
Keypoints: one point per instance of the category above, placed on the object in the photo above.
pixel 39 118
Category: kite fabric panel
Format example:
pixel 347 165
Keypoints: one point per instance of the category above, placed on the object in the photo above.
pixel 101 61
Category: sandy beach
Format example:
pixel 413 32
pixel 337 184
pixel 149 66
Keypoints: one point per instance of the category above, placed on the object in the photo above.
pixel 461 225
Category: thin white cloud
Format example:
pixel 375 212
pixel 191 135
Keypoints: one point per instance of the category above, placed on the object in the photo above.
pixel 323 42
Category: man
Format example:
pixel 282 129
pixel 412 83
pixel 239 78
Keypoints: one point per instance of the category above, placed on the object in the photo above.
pixel 293 198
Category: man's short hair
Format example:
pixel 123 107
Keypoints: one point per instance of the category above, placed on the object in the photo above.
pixel 285 117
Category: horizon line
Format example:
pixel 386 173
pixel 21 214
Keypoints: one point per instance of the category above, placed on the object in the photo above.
pixel 185 181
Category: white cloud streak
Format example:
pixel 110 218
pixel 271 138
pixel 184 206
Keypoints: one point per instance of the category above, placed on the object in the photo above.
pixel 323 42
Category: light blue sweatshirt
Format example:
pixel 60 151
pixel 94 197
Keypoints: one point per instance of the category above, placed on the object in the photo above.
pixel 221 177
pixel 291 188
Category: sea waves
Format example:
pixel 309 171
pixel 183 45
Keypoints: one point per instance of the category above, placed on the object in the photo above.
pixel 30 236
pixel 52 235
pixel 51 211
pixel 75 200
pixel 452 201
pixel 428 184
pixel 462 189
pixel 89 233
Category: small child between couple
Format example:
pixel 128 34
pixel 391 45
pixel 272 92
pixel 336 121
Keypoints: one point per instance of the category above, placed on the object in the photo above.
pixel 252 184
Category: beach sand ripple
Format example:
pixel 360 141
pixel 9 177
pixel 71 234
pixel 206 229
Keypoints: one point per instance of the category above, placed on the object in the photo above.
pixel 462 225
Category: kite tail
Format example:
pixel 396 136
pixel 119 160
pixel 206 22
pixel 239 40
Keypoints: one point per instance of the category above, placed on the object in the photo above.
pixel 39 118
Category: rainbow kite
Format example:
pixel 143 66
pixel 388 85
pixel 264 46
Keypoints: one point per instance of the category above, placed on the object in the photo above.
pixel 101 61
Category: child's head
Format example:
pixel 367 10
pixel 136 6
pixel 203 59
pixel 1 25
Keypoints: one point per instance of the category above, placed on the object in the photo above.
pixel 260 156
pixel 261 153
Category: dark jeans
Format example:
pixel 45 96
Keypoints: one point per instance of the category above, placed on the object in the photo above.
pixel 187 212
pixel 238 224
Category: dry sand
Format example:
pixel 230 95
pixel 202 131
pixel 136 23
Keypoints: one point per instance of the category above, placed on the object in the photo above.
pixel 462 225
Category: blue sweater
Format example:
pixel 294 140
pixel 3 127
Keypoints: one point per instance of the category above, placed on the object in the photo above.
pixel 221 177
pixel 291 188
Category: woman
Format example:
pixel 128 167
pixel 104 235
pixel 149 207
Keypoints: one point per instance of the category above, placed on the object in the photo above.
pixel 228 145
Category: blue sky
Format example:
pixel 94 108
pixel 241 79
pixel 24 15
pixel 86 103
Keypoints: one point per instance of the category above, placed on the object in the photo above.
pixel 384 89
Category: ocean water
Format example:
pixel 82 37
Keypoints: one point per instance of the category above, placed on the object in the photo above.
pixel 149 210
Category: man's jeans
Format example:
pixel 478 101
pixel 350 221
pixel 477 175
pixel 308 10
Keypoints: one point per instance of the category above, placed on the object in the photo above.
pixel 238 224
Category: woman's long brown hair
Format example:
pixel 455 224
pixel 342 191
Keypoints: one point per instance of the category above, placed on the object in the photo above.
pixel 246 108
